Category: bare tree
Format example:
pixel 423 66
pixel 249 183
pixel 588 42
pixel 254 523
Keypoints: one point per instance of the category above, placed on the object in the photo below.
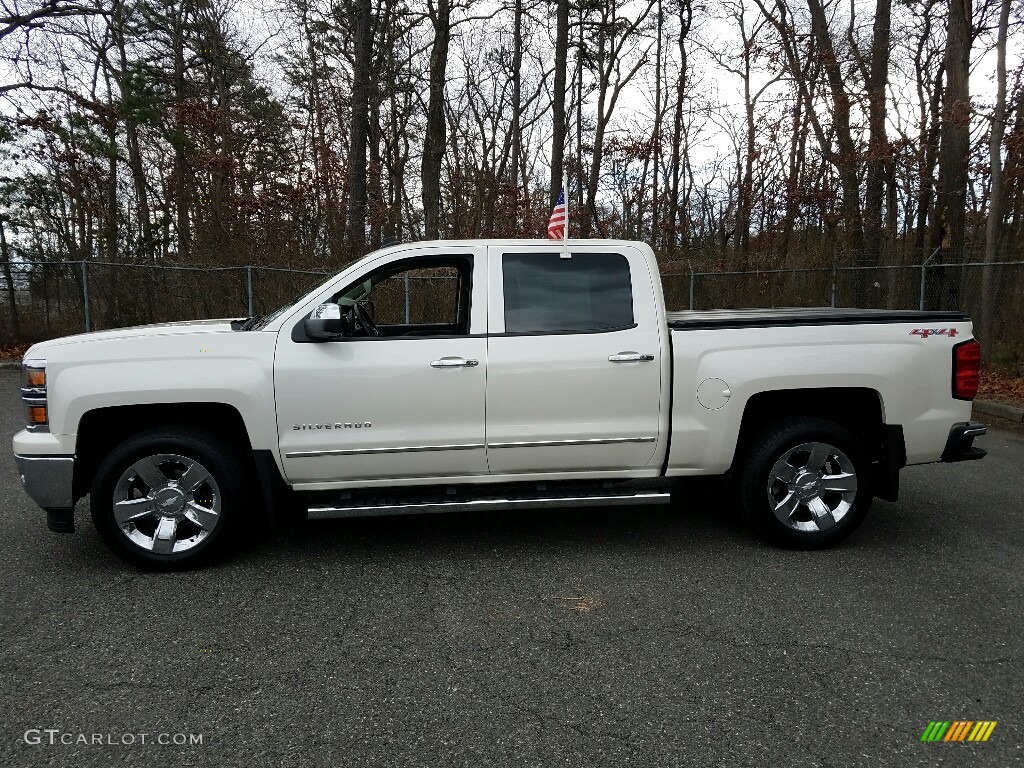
pixel 613 71
pixel 434 139
pixel 558 116
pixel 997 196
pixel 360 125
pixel 879 158
pixel 678 154
pixel 954 147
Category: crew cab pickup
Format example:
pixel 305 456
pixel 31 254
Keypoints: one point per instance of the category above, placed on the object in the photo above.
pixel 477 375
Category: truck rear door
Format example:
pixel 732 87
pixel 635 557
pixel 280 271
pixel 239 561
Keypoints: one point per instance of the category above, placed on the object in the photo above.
pixel 574 380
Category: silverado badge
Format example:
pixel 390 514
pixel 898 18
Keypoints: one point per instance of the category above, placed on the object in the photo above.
pixel 335 425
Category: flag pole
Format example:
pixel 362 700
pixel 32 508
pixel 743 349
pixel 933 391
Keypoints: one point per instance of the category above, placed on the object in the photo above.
pixel 565 232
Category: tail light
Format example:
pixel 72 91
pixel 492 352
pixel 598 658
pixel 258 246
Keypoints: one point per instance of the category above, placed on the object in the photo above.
pixel 966 369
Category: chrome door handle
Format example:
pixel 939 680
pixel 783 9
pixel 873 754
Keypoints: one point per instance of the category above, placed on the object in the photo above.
pixel 453 362
pixel 630 357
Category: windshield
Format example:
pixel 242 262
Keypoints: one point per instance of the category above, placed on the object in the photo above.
pixel 262 321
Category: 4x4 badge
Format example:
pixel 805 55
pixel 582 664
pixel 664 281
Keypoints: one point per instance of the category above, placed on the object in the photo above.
pixel 924 333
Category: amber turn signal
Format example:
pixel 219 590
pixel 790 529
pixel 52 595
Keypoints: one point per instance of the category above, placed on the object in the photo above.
pixel 36 415
pixel 35 377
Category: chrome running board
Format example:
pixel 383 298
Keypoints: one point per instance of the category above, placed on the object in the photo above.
pixel 604 498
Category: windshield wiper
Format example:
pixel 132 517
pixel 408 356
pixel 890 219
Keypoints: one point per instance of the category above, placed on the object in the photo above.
pixel 247 324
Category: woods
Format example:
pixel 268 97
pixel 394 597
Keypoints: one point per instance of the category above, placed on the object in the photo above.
pixel 751 134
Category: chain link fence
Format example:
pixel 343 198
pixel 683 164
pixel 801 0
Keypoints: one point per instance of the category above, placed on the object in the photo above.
pixel 40 300
pixel 925 287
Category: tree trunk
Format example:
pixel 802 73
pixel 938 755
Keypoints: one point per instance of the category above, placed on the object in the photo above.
pixel 746 191
pixel 183 191
pixel 434 140
pixel 359 127
pixel 579 118
pixel 375 186
pixel 144 223
pixel 12 296
pixel 677 161
pixel 948 219
pixel 655 151
pixel 845 160
pixel 558 100
pixel 110 228
pixel 928 159
pixel 588 216
pixel 879 155
pixel 797 143
pixel 516 174
pixel 997 202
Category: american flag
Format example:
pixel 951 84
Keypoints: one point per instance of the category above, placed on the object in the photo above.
pixel 559 223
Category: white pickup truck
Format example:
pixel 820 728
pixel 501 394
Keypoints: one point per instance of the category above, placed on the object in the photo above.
pixel 475 375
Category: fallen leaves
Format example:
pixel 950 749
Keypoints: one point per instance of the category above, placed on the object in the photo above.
pixel 13 351
pixel 1002 384
pixel 582 603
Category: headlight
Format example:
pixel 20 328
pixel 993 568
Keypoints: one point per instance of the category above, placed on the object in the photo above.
pixel 33 394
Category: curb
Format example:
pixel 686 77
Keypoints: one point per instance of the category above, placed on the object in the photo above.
pixel 1002 410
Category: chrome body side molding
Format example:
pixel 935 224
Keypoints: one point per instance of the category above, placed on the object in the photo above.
pixel 556 443
pixel 373 451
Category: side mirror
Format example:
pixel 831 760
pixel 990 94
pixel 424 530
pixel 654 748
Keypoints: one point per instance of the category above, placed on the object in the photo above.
pixel 326 322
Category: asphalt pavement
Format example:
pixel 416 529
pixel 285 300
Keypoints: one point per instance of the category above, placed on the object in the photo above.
pixel 655 636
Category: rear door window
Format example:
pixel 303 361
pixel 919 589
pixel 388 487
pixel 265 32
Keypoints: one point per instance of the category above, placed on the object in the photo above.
pixel 544 293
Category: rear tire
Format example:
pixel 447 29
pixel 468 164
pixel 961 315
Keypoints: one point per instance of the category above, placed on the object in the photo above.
pixel 805 483
pixel 170 498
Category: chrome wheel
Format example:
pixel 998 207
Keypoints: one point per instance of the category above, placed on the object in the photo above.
pixel 167 503
pixel 812 487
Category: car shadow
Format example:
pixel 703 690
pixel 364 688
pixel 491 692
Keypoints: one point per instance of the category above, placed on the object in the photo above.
pixel 699 516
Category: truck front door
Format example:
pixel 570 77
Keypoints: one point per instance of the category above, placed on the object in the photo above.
pixel 402 395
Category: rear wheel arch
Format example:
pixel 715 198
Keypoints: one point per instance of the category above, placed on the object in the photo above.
pixel 860 410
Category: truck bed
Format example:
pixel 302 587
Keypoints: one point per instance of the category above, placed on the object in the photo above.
pixel 694 320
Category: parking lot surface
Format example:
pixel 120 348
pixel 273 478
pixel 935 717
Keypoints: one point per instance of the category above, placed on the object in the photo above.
pixel 655 636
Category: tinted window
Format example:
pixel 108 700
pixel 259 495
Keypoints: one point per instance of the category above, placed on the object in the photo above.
pixel 546 293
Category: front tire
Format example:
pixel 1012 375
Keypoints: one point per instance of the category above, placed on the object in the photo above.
pixel 169 498
pixel 805 484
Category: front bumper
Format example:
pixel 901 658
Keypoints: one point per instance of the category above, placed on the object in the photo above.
pixel 48 480
pixel 960 444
